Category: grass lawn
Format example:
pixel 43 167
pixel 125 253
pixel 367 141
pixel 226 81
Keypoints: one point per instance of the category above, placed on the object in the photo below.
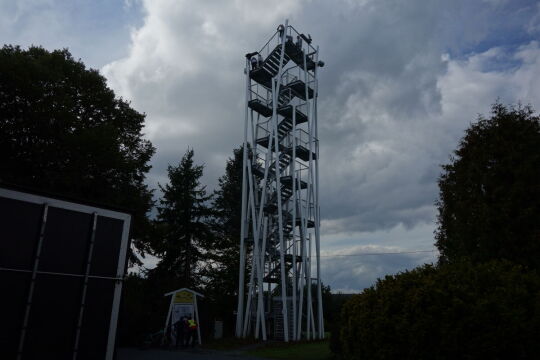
pixel 229 343
pixel 315 350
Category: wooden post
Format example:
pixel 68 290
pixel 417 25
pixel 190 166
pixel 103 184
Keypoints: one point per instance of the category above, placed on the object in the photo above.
pixel 197 318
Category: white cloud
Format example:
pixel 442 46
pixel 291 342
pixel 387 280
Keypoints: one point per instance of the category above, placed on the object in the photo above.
pixel 533 26
pixel 469 87
pixel 396 95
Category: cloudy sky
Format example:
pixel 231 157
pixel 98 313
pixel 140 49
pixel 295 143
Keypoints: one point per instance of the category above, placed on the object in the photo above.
pixel 402 81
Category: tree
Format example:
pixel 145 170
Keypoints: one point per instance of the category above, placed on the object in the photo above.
pixel 63 131
pixel 489 204
pixel 224 262
pixel 182 222
pixel 227 220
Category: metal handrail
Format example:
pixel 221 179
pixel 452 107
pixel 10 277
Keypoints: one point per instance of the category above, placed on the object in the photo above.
pixel 266 132
pixel 302 137
pixel 301 106
pixel 258 89
pixel 309 47
pixel 300 140
pixel 255 94
pixel 267 44
pixel 288 77
pixel 309 50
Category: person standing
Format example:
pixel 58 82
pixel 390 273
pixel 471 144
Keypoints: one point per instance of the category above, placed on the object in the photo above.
pixel 179 331
pixel 192 325
pixel 185 331
pixel 254 62
pixel 281 30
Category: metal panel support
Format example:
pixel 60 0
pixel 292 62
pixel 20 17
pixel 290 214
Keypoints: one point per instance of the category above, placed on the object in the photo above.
pixel 118 290
pixel 32 281
pixel 85 285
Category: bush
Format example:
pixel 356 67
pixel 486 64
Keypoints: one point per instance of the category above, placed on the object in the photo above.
pixel 453 311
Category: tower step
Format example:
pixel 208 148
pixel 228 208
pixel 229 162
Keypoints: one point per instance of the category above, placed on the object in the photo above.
pixel 259 171
pixel 289 258
pixel 264 143
pixel 310 223
pixel 298 88
pixel 301 152
pixel 287 181
pixel 296 54
pixel 279 331
pixel 265 108
pixel 262 77
pixel 287 112
pixel 269 68
pixel 261 107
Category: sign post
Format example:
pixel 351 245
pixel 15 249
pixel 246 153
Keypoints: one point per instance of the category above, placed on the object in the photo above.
pixel 183 303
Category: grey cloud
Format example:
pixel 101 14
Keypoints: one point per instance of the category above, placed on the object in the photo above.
pixel 347 273
pixel 386 120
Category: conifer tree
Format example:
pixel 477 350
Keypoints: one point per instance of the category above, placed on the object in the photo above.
pixel 227 222
pixel 224 259
pixel 183 233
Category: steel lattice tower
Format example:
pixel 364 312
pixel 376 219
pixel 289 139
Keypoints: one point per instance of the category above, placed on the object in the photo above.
pixel 280 192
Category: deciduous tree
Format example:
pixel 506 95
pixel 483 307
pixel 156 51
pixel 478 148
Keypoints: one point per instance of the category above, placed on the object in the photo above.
pixel 489 205
pixel 63 131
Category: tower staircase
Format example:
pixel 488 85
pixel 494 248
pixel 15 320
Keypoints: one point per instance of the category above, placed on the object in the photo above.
pixel 281 87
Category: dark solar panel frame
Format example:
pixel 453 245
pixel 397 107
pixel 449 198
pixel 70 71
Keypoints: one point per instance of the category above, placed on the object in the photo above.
pixel 62 265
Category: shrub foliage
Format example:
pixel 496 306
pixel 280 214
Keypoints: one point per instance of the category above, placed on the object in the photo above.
pixel 453 311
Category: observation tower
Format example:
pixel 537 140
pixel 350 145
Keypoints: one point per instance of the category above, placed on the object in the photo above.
pixel 281 296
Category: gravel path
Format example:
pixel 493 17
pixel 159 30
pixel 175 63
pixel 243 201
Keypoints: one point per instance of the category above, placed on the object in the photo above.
pixel 191 354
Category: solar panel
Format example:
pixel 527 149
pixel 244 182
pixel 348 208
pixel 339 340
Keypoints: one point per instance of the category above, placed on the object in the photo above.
pixel 61 270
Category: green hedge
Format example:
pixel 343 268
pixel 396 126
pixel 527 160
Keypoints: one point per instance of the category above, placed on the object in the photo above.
pixel 458 311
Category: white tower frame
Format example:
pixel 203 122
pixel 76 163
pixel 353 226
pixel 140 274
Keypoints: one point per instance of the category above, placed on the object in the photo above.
pixel 280 192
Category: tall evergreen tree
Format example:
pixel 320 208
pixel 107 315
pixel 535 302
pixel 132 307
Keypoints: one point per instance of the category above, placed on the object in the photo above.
pixel 489 205
pixel 223 274
pixel 224 260
pixel 183 233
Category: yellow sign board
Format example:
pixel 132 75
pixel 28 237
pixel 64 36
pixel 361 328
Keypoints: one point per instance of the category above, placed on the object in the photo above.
pixel 183 297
